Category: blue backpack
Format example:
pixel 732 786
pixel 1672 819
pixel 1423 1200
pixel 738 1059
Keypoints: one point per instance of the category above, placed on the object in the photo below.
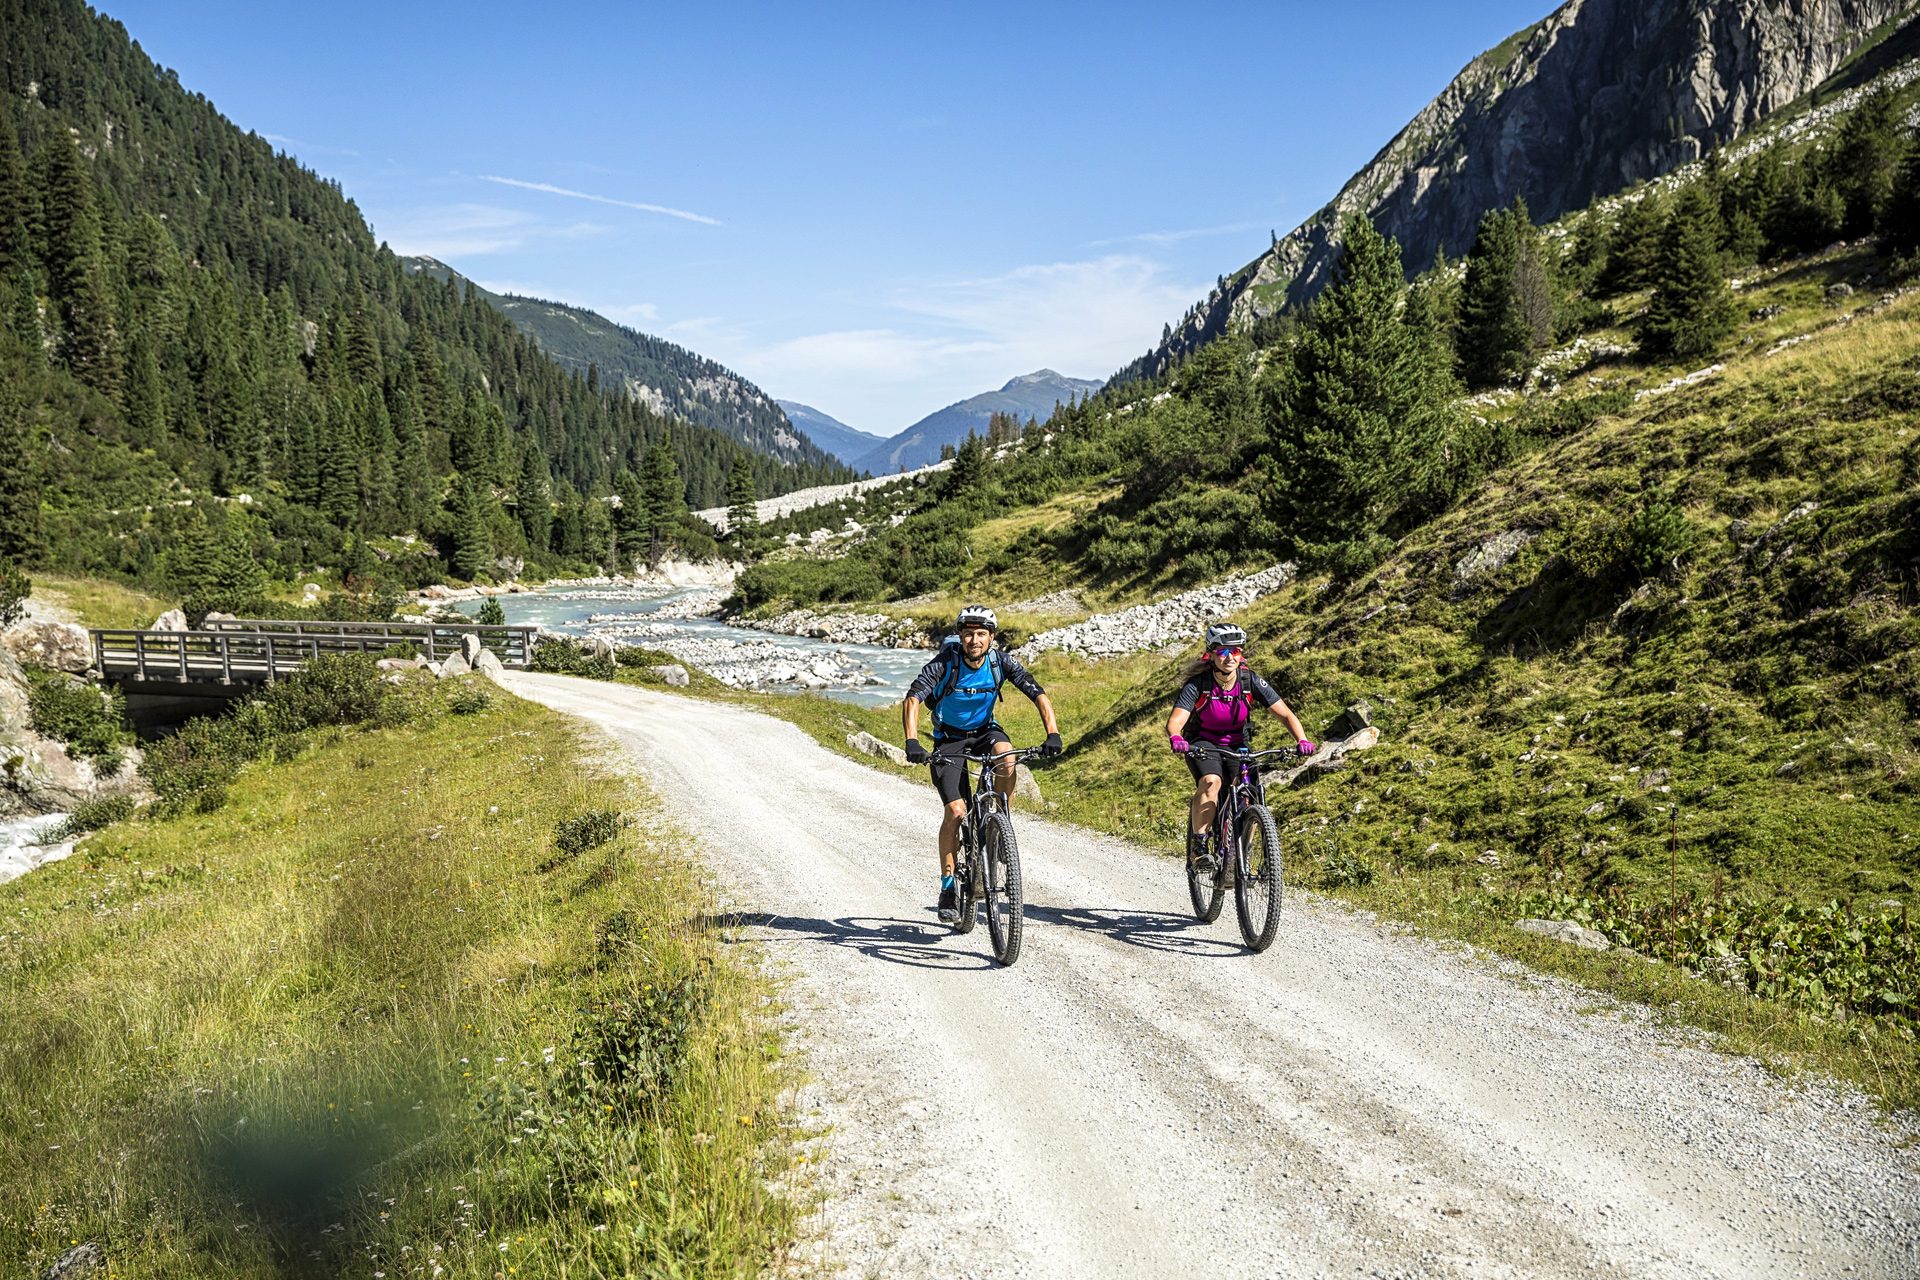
pixel 950 654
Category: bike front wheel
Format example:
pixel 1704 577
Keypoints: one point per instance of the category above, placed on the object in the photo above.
pixel 1256 889
pixel 1005 892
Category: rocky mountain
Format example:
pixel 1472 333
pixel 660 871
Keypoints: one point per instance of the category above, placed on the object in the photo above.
pixel 1597 96
pixel 836 437
pixel 1031 395
pixel 667 378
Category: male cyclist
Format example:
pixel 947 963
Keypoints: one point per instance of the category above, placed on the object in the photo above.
pixel 1215 705
pixel 961 688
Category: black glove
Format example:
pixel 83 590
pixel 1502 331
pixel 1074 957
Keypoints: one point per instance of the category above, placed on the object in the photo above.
pixel 916 754
pixel 1051 747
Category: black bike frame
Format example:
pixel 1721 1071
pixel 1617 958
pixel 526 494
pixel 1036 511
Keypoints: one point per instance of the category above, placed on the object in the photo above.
pixel 1249 789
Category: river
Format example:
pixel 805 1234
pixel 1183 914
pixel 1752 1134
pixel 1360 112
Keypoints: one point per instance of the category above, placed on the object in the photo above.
pixel 859 673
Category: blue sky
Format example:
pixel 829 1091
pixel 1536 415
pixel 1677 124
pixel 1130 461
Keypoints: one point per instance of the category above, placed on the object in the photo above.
pixel 874 209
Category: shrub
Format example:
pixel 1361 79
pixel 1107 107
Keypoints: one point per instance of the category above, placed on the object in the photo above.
pixel 491 614
pixel 639 1040
pixel 92 722
pixel 92 815
pixel 1346 869
pixel 15 587
pixel 341 688
pixel 1657 535
pixel 468 701
pixel 191 769
pixel 566 657
pixel 574 836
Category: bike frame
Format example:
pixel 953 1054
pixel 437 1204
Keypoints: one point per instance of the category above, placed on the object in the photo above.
pixel 986 798
pixel 1249 789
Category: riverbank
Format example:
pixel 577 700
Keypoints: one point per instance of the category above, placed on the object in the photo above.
pixel 375 1012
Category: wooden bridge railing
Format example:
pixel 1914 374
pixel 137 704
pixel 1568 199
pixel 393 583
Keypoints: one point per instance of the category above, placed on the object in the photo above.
pixel 245 652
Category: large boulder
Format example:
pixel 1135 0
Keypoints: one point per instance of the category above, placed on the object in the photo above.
pixel 36 773
pixel 1566 931
pixel 488 664
pixel 471 648
pixel 1025 788
pixel 673 673
pixel 867 744
pixel 456 665
pixel 60 646
pixel 171 620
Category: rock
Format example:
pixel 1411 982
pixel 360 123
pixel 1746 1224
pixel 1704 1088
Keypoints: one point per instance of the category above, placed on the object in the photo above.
pixel 60 646
pixel 1178 619
pixel 488 664
pixel 453 666
pixel 471 648
pixel 1492 555
pixel 867 744
pixel 399 664
pixel 673 673
pixel 1566 931
pixel 598 647
pixel 82 1260
pixel 217 616
pixel 1356 717
pixel 438 591
pixel 1488 858
pixel 171 620
pixel 1330 757
pixel 1839 290
pixel 1025 787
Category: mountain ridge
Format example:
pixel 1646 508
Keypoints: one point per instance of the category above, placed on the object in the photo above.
pixel 1029 395
pixel 835 437
pixel 1595 97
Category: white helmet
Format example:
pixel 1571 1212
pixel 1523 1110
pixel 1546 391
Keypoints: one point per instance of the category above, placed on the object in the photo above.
pixel 977 615
pixel 1224 635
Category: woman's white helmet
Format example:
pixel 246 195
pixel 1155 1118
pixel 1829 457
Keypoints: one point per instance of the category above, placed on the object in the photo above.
pixel 977 615
pixel 1224 635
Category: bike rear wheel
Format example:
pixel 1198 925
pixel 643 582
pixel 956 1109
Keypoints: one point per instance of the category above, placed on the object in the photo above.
pixel 965 893
pixel 1256 889
pixel 1005 890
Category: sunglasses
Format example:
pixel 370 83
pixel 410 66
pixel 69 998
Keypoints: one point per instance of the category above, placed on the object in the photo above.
pixel 1226 653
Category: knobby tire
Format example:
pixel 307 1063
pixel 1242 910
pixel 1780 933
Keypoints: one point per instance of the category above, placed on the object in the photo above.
pixel 1257 887
pixel 1005 889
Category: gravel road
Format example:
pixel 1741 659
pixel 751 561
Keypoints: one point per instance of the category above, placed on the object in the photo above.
pixel 1139 1097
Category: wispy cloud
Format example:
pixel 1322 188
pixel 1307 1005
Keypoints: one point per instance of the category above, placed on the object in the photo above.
pixel 643 207
pixel 458 231
pixel 1175 237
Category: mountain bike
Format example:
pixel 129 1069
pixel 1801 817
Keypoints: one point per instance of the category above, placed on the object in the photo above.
pixel 987 868
pixel 1247 841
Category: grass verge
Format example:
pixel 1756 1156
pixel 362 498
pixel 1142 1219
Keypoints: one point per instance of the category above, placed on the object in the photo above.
pixel 399 1007
pixel 100 602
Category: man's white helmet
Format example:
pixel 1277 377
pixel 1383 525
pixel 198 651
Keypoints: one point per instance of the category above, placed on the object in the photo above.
pixel 977 615
pixel 1224 635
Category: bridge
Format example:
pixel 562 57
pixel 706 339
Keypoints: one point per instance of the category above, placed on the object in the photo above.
pixel 226 658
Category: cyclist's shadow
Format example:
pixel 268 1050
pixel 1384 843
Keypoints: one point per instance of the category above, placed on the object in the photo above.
pixel 895 941
pixel 1153 930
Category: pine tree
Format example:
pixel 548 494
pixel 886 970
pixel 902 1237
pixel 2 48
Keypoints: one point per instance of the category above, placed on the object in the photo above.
pixel 413 481
pixel 472 548
pixel 1900 219
pixel 1494 342
pixel 1633 246
pixel 339 456
pixel 632 522
pixel 666 499
pixel 969 467
pixel 1362 412
pixel 20 481
pixel 743 511
pixel 1863 161
pixel 533 500
pixel 234 580
pixel 1692 311
pixel 146 396
pixel 15 215
pixel 491 613
pixel 76 270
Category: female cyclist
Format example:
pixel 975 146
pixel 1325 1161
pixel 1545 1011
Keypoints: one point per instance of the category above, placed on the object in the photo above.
pixel 1216 703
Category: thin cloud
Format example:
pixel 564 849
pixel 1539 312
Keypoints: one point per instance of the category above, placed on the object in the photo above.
pixel 1175 237
pixel 290 145
pixel 552 190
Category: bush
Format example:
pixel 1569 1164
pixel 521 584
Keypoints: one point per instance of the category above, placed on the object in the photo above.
pixel 491 614
pixel 191 769
pixel 95 814
pixel 1603 547
pixel 574 836
pixel 92 722
pixel 15 587
pixel 564 657
pixel 1346 869
pixel 341 688
pixel 640 1040
pixel 468 701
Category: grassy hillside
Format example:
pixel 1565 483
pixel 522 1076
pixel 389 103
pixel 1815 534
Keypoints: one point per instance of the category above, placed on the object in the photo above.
pixel 380 1013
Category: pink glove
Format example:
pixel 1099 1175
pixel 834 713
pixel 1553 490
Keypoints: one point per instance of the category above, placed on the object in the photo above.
pixel 1178 743
pixel 1306 747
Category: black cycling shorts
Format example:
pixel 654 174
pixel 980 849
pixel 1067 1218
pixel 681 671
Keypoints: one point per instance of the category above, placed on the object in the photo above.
pixel 952 774
pixel 1205 759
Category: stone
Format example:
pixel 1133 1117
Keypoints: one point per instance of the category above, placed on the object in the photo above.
pixel 673 673
pixel 171 620
pixel 471 648
pixel 60 646
pixel 1492 555
pixel 399 664
pixel 598 647
pixel 453 666
pixel 1839 290
pixel 82 1260
pixel 1025 787
pixel 867 744
pixel 1566 931
pixel 489 665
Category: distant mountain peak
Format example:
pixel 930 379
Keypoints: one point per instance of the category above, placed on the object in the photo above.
pixel 1029 396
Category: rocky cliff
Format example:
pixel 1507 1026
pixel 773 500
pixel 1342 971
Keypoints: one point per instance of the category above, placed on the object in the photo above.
pixel 1599 95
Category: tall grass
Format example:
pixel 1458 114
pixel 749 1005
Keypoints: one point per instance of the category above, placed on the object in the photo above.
pixel 361 1021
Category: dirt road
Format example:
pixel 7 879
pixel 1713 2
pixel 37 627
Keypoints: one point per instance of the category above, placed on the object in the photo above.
pixel 1140 1097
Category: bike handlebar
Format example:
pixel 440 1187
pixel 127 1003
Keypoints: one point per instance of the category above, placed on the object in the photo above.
pixel 1241 753
pixel 1017 755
